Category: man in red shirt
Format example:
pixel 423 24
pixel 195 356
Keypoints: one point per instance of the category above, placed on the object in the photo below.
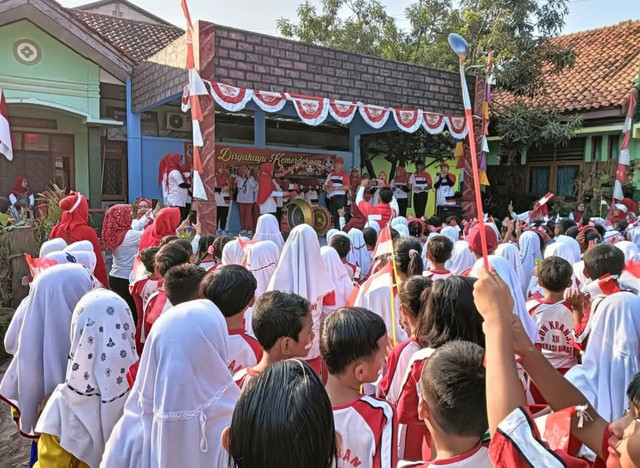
pixel 337 185
pixel 383 212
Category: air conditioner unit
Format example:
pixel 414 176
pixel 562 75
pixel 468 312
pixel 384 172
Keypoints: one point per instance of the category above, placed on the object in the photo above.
pixel 178 122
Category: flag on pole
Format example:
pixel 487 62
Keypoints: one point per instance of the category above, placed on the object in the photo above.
pixel 196 89
pixel 384 245
pixel 623 161
pixel 6 147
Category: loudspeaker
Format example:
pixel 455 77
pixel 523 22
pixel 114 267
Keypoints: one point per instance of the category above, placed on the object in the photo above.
pixel 444 211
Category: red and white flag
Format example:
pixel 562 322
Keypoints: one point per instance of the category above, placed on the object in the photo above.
pixel 384 244
pixel 544 200
pixel 6 147
pixel 624 159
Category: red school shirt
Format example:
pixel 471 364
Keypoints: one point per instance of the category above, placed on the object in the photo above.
pixel 436 274
pixel 369 430
pixel 397 362
pixel 242 377
pixel 243 350
pixel 477 457
pixel 141 290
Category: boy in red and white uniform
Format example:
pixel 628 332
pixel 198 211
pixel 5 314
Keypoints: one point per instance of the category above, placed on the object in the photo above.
pixel 352 343
pixel 232 289
pixel 554 317
pixel 452 406
pixel 341 243
pixel 384 211
pixel 282 323
pixel 142 288
pixel 475 243
pixel 439 249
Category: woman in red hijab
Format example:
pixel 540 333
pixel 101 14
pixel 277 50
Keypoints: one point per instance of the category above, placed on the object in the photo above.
pixel 166 224
pixel 578 211
pixel 74 227
pixel 400 187
pixel 266 189
pixel 21 197
pixel 174 186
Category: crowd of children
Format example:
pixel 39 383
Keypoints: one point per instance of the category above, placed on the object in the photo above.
pixel 391 346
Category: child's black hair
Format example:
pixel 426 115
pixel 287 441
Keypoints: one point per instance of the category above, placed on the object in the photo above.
pixel 148 258
pixel 204 243
pixel 602 259
pixel 585 219
pixel 563 225
pixel 230 288
pixel 386 195
pixel 167 240
pixel 573 231
pixel 283 419
pixel 408 255
pixel 600 228
pixel 185 244
pixel 435 221
pixel 415 228
pixel 182 283
pixel 341 244
pixel 620 225
pixel 414 294
pixel 350 334
pixel 450 314
pixel 370 236
pixel 170 255
pixel 278 314
pixel 218 246
pixel 633 391
pixel 439 248
pixel 453 386
pixel 554 273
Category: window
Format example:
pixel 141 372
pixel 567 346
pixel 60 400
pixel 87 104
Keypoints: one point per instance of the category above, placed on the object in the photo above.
pixel 556 169
pixel 596 148
pixel 114 176
pixel 539 180
pixel 614 147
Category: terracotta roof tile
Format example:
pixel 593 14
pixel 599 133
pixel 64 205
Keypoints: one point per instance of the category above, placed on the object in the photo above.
pixel 139 40
pixel 606 64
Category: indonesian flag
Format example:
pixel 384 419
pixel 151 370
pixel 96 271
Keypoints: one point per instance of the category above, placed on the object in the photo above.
pixel 623 161
pixel 544 200
pixel 605 286
pixel 384 244
pixel 6 147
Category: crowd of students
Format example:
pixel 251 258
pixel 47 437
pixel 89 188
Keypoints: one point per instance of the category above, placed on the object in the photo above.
pixel 390 346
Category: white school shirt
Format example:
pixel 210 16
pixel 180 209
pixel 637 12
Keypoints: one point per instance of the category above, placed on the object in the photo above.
pixel 140 224
pixel 419 182
pixel 397 189
pixel 125 254
pixel 436 274
pixel 174 195
pixel 246 189
pixel 368 427
pixel 555 330
pixel 338 179
pixel 478 457
pixel 223 197
pixel 243 350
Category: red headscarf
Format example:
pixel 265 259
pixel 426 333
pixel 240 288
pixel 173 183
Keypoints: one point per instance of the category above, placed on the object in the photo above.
pixel 147 201
pixel 117 221
pixel 401 175
pixel 166 223
pixel 266 186
pixel 577 214
pixel 18 189
pixel 631 206
pixel 168 163
pixel 222 178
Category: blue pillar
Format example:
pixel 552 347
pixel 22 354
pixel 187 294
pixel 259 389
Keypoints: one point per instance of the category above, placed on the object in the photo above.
pixel 354 145
pixel 260 128
pixel 134 149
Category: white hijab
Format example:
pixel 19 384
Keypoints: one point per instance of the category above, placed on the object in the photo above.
pixel 267 229
pixel 509 276
pixel 52 245
pixel 452 233
pixel 183 396
pixel 330 233
pixel 401 229
pixel 611 358
pixel 399 221
pixel 629 249
pixel 568 248
pixel 461 258
pixel 530 252
pixel 362 256
pixel 262 259
pixel 373 225
pixel 512 254
pixel 83 410
pixel 40 360
pixel 341 281
pixel 85 258
pixel 232 253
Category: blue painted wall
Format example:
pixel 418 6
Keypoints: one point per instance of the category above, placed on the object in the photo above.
pixel 153 149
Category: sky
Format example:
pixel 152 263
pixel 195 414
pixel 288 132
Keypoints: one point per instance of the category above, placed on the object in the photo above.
pixel 261 15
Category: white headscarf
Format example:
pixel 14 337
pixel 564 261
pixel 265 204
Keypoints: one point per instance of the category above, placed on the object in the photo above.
pixel 338 273
pixel 183 396
pixel 262 259
pixel 571 246
pixel 373 225
pixel 530 252
pixel 401 229
pixel 83 410
pixel 611 358
pixel 399 221
pixel 52 245
pixel 635 236
pixel 267 228
pixel 461 258
pixel 85 258
pixel 330 233
pixel 509 276
pixel 512 254
pixel 40 360
pixel 362 256
pixel 578 274
pixel 302 271
pixel 629 249
pixel 452 233
pixel 232 253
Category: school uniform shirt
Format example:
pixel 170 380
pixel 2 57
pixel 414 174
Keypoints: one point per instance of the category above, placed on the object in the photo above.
pixel 398 189
pixel 336 179
pixel 555 327
pixel 477 457
pixel 243 350
pixel 246 189
pixel 222 197
pixel 382 213
pixel 174 195
pixel 156 305
pixel 141 290
pixel 242 377
pixel 420 182
pixel 445 189
pixel 436 274
pixel 369 428
pixel 124 255
pixel 396 366
pixel 141 223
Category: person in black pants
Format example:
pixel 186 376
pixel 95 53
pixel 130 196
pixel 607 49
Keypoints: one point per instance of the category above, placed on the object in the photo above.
pixel 420 183
pixel 337 184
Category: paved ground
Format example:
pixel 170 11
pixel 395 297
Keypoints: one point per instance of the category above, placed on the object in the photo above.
pixel 14 449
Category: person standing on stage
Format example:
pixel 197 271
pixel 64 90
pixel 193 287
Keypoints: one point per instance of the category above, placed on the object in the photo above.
pixel 337 185
pixel 246 186
pixel 420 183
pixel 400 187
pixel 444 186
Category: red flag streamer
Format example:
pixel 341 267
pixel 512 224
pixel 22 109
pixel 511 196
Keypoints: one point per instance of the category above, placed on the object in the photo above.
pixel 624 159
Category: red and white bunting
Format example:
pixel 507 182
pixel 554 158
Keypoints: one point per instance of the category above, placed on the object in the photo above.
pixel 433 123
pixel 269 101
pixel 624 159
pixel 311 110
pixel 457 126
pixel 374 116
pixel 408 120
pixel 343 111
pixel 229 97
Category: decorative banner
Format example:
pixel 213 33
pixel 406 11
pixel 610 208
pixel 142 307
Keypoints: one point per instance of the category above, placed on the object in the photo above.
pixel 375 116
pixel 343 111
pixel 311 110
pixel 457 126
pixel 269 101
pixel 229 97
pixel 433 123
pixel 408 120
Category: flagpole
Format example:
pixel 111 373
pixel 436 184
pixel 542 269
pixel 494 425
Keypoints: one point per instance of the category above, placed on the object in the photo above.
pixel 460 47
pixel 394 282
